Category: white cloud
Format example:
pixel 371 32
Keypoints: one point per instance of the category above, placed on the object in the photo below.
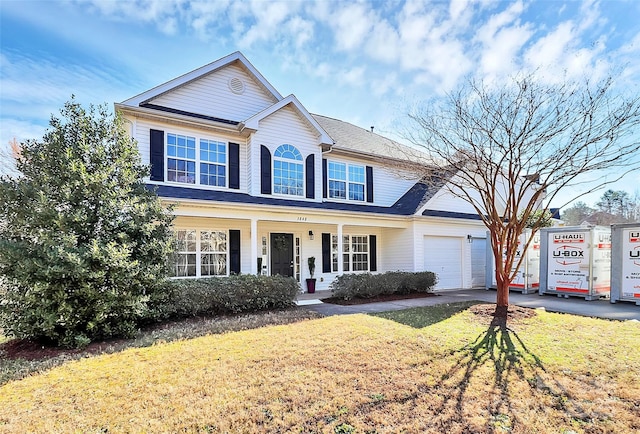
pixel 384 42
pixel 301 30
pixel 353 77
pixel 383 85
pixel 457 8
pixel 268 17
pixel 431 45
pixel 161 12
pixel 352 25
pixel 501 40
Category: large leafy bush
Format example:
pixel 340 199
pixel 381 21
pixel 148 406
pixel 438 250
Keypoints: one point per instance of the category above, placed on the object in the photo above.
pixel 83 242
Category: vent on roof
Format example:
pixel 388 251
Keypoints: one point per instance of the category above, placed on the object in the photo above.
pixel 236 85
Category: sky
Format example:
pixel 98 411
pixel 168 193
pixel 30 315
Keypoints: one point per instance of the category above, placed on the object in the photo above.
pixel 365 62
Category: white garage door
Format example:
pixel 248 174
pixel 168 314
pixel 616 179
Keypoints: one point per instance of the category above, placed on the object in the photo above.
pixel 478 262
pixel 443 256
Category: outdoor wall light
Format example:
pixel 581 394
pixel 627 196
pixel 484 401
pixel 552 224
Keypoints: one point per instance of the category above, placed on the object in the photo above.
pixel 311 235
pixel 469 239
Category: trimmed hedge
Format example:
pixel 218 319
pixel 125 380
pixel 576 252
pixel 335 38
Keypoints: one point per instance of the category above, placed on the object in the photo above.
pixel 367 285
pixel 224 295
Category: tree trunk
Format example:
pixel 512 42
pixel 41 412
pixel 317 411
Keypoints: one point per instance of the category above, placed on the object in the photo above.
pixel 502 298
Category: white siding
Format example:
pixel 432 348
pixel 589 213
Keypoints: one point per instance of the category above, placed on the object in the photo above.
pixel 210 95
pixel 396 250
pixel 444 200
pixel 388 186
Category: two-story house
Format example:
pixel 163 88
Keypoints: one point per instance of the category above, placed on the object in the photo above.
pixel 259 185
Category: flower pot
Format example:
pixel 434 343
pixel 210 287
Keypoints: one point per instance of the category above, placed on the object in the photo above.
pixel 311 285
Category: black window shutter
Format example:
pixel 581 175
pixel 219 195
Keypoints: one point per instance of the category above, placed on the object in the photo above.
pixel 156 147
pixel 310 175
pixel 326 253
pixel 234 165
pixel 234 251
pixel 369 184
pixel 373 257
pixel 265 170
pixel 324 178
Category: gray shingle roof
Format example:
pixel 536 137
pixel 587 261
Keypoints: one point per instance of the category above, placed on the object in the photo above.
pixel 352 138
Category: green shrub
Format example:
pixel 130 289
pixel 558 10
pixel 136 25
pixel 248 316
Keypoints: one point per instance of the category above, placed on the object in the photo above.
pixel 82 239
pixel 367 285
pixel 222 295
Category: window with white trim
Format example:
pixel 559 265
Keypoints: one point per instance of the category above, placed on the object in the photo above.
pixel 205 164
pixel 346 181
pixel 201 253
pixel 288 171
pixel 355 253
pixel 213 163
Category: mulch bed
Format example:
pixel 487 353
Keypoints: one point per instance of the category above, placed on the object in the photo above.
pixel 377 299
pixel 32 350
pixel 514 313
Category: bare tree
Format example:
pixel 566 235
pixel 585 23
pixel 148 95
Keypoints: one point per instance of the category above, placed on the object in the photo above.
pixel 509 150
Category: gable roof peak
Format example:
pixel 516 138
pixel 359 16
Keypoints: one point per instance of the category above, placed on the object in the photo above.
pixel 235 57
pixel 252 122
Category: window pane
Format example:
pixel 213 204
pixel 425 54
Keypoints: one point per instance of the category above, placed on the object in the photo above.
pixel 356 192
pixel 345 263
pixel 356 174
pixel 337 189
pixel 337 171
pixel 213 265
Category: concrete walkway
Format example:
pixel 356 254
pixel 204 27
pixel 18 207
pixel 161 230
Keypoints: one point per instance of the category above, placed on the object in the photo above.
pixel 552 303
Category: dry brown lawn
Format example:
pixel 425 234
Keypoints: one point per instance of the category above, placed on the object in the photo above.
pixel 550 373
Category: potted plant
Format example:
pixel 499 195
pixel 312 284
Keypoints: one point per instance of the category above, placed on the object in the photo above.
pixel 311 282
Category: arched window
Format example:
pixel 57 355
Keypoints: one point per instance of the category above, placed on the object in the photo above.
pixel 288 171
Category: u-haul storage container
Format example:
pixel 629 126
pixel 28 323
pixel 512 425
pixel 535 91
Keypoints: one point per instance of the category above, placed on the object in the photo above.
pixel 575 261
pixel 527 279
pixel 625 258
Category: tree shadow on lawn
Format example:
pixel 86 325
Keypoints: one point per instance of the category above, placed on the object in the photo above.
pixel 421 317
pixel 495 380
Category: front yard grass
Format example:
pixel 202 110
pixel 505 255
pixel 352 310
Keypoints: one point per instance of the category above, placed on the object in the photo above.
pixel 462 372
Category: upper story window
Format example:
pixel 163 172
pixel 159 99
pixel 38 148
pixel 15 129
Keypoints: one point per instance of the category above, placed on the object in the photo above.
pixel 213 160
pixel 346 181
pixel 206 165
pixel 288 171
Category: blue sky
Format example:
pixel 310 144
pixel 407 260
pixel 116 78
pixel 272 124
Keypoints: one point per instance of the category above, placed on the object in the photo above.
pixel 363 62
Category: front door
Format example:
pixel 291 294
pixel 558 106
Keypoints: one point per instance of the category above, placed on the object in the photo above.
pixel 282 254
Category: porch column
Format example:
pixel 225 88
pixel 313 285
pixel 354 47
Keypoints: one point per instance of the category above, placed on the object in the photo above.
pixel 340 251
pixel 254 246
